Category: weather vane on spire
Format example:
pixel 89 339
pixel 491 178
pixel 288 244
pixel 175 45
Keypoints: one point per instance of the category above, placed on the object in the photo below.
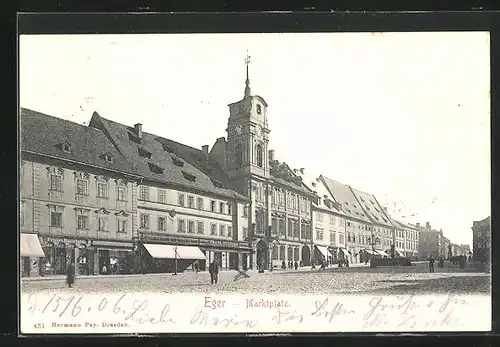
pixel 247 82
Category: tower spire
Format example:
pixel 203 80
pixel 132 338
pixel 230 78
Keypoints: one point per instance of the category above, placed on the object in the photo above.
pixel 248 92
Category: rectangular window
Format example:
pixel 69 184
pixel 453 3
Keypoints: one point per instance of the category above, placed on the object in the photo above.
pixel 229 209
pixel 212 205
pixel 200 226
pixel 56 183
pixel 331 219
pixel 121 193
pixel 181 226
pixel 245 233
pixel 191 227
pixel 290 228
pixel 55 219
pixel 213 229
pixel 122 225
pixel 102 190
pixel 222 230
pixel 221 207
pixel 181 198
pixel 144 193
pixel 21 213
pixel 273 198
pixel 82 222
pixel 281 196
pixel 295 229
pixel 162 225
pixel 229 231
pixel 320 216
pixel 103 224
pixel 162 196
pixel 274 226
pixel 349 237
pixel 199 203
pixel 82 187
pixel 144 221
pixel 348 224
pixel 245 211
pixel 190 201
pixel 341 239
pixel 282 227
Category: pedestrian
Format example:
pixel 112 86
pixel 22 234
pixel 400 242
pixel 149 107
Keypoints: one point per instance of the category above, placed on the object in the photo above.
pixel 431 264
pixel 296 265
pixel 283 265
pixel 347 263
pixel 70 274
pixel 441 261
pixel 214 271
pixel 196 267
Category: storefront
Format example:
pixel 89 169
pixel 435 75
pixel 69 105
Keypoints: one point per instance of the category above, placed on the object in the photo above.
pixel 189 252
pixel 91 257
pixel 321 254
pixel 31 253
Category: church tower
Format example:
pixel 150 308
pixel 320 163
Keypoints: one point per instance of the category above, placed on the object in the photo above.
pixel 247 135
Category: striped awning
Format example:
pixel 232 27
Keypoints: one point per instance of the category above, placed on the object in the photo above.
pixel 30 246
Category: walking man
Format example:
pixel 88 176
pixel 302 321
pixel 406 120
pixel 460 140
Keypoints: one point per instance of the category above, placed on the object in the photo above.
pixel 70 274
pixel 214 271
pixel 431 264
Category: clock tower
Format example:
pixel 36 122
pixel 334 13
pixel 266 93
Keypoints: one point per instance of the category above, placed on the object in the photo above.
pixel 247 135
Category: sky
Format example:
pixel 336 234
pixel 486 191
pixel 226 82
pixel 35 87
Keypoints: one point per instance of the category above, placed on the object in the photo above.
pixel 404 116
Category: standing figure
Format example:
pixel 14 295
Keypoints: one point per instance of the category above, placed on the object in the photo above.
pixel 70 274
pixel 296 265
pixel 431 264
pixel 214 271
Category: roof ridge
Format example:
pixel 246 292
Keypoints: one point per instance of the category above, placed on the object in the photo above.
pixel 67 121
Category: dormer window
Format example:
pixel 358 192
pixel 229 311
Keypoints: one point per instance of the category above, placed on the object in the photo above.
pixel 144 153
pixel 189 177
pixel 168 149
pixel 178 162
pixel 108 158
pixel 216 183
pixel 65 147
pixel 259 109
pixel 155 168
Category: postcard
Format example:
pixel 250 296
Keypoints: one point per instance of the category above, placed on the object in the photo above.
pixel 254 183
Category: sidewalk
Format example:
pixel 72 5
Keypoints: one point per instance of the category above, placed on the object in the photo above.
pixel 253 272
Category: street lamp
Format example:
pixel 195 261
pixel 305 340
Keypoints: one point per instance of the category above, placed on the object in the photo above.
pixel 175 259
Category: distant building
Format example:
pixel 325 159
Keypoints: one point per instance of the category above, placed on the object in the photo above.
pixel 430 242
pixel 407 239
pixel 481 240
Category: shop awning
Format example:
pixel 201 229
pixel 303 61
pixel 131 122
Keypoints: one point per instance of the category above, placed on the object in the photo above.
pixel 323 250
pixel 30 246
pixel 169 252
pixel 400 254
pixel 346 253
pixel 369 251
pixel 190 252
pixel 381 253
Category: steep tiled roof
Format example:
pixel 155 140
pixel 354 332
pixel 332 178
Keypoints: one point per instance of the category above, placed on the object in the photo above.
pixel 372 208
pixel 46 135
pixel 325 199
pixel 400 224
pixel 281 173
pixel 344 196
pixel 163 160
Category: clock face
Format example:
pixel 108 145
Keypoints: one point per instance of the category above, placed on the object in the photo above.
pixel 238 130
pixel 258 130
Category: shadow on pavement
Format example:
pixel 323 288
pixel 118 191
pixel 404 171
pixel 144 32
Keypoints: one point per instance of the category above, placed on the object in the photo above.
pixel 459 285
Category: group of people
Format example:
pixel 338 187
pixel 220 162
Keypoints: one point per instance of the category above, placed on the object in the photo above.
pixel 291 265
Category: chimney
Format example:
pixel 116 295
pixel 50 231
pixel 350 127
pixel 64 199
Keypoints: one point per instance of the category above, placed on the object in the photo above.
pixel 427 225
pixel 385 209
pixel 204 150
pixel 138 130
pixel 271 154
pixel 417 225
pixel 302 170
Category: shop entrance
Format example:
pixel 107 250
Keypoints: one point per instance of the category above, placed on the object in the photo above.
pixel 60 259
pixel 306 256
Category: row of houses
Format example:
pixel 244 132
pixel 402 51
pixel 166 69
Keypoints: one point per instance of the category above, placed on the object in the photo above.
pixel 112 197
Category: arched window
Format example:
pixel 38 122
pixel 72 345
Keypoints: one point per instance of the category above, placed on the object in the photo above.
pixel 239 156
pixel 259 155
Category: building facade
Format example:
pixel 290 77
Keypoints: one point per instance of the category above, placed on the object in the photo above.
pixel 77 200
pixel 280 216
pixel 183 204
pixel 329 226
pixel 481 240
pixel 430 242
